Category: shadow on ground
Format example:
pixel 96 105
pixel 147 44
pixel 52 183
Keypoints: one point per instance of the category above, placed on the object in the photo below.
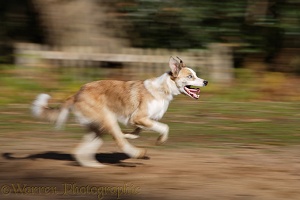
pixel 107 158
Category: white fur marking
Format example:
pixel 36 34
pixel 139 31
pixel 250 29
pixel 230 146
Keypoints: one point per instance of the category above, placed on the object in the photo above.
pixel 62 118
pixel 192 71
pixel 198 81
pixel 130 150
pixel 85 152
pixel 161 128
pixel 172 86
pixel 38 105
pixel 157 87
pixel 154 86
pixel 130 136
pixel 82 119
pixel 123 120
pixel 157 108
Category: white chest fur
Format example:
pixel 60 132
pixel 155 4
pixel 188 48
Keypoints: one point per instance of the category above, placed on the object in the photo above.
pixel 157 108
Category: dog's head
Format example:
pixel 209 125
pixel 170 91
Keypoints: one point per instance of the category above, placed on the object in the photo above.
pixel 186 79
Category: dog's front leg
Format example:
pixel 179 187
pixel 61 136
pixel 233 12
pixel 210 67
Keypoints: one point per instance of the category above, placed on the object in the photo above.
pixel 162 129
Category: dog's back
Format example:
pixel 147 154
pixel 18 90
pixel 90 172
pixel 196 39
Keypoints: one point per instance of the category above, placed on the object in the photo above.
pixel 122 98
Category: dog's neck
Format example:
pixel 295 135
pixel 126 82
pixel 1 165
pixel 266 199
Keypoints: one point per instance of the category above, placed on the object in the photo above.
pixel 162 87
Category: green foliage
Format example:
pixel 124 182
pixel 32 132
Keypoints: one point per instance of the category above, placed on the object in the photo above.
pixel 193 24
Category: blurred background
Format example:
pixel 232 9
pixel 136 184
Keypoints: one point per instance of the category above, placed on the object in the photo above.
pixel 248 50
pixel 240 140
pixel 249 45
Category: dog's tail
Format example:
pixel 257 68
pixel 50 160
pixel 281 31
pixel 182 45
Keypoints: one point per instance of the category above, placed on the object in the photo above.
pixel 41 110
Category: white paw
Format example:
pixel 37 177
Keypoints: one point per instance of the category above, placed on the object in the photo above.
pixel 131 136
pixel 134 152
pixel 161 139
pixel 94 164
pixel 165 130
pixel 87 160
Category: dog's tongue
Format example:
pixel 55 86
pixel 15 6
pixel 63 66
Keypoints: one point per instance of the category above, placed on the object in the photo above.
pixel 194 92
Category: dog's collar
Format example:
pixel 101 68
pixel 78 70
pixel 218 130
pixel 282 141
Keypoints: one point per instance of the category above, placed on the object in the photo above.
pixel 171 75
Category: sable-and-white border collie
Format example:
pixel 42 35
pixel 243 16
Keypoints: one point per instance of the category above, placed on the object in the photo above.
pixel 101 105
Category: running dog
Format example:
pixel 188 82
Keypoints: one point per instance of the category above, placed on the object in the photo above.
pixel 101 105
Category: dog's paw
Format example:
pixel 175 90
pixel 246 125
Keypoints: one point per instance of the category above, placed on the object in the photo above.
pixel 93 164
pixel 142 153
pixel 134 152
pixel 161 139
pixel 131 136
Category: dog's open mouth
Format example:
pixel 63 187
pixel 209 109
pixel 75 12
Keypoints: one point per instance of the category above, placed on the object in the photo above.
pixel 192 91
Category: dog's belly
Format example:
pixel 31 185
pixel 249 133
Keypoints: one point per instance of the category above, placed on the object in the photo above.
pixel 123 120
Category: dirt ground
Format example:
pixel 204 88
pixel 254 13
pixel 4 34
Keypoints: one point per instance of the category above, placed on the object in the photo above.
pixel 44 169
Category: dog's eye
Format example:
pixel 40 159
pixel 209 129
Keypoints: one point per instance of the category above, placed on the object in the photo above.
pixel 190 76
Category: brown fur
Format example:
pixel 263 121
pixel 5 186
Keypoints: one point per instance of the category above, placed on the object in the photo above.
pixel 123 98
pixel 101 105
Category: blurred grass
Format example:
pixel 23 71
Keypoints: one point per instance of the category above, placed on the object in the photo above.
pixel 240 123
pixel 223 117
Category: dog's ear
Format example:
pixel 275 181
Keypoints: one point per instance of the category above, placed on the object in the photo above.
pixel 182 65
pixel 175 66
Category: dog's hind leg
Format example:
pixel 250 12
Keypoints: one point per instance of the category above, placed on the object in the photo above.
pixel 85 153
pixel 111 125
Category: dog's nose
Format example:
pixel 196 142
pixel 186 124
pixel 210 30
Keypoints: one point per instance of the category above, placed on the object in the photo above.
pixel 205 83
